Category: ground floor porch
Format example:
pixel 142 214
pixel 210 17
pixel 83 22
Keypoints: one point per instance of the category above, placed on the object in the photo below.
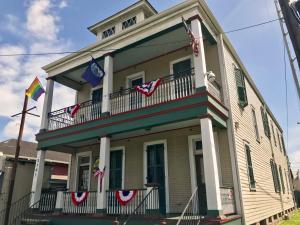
pixel 170 162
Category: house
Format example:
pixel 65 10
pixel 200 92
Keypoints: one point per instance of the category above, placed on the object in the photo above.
pixel 55 172
pixel 204 141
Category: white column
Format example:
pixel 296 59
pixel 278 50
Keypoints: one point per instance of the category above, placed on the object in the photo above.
pixel 103 163
pixel 199 61
pixel 107 83
pixel 211 172
pixel 38 174
pixel 47 104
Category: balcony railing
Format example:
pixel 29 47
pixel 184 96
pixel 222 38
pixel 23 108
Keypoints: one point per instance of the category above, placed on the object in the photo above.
pixel 61 118
pixel 171 87
pixel 87 207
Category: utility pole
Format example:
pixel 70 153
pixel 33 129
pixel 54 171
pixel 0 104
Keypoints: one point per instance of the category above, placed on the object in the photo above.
pixel 281 15
pixel 292 25
pixel 17 153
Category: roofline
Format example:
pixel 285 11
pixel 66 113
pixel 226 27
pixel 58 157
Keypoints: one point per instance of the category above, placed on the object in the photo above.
pixel 94 26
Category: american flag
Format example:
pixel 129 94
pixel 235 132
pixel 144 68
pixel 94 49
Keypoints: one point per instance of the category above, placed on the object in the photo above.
pixel 194 42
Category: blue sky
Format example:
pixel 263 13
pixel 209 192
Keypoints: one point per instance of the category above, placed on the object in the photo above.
pixel 57 25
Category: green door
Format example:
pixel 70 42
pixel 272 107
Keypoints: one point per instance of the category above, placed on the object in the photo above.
pixel 115 169
pixel 156 172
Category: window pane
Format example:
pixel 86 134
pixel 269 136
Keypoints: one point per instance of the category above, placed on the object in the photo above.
pixel 250 167
pixel 84 159
pixel 182 68
pixel 129 22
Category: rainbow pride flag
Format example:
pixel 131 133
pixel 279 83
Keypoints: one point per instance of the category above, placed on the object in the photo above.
pixel 35 90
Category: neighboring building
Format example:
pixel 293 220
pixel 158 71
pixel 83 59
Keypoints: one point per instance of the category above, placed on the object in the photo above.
pixel 55 173
pixel 296 183
pixel 217 135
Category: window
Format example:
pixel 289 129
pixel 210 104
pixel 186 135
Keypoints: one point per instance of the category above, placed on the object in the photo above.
pixel 255 124
pixel 275 142
pixel 250 167
pixel 275 176
pixel 129 22
pixel 241 87
pixel 283 146
pixel 135 98
pixel 83 183
pixel 182 68
pixel 264 116
pixel 108 32
pixel 1 180
pixel 279 142
pixel 281 180
pixel 287 181
pixel 115 169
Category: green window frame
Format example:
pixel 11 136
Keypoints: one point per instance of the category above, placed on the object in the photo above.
pixel 252 183
pixel 275 176
pixel 275 142
pixel 116 169
pixel 283 145
pixel 279 142
pixel 255 125
pixel 241 87
pixel 281 180
pixel 264 116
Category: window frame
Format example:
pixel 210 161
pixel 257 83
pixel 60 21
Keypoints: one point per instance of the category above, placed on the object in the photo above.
pixel 255 124
pixel 273 133
pixel 275 175
pixel 281 179
pixel 133 18
pixel 264 116
pixel 113 28
pixel 250 168
pixel 241 103
pixel 120 148
pixel 78 155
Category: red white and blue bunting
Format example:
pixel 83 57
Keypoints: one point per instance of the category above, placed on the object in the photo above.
pixel 149 87
pixel 72 110
pixel 124 197
pixel 79 197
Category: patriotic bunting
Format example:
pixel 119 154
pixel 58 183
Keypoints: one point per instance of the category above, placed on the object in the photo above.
pixel 124 197
pixel 79 197
pixel 149 87
pixel 72 110
pixel 194 42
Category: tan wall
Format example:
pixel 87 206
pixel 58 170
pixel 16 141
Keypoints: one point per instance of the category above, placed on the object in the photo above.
pixel 158 67
pixel 178 163
pixel 263 202
pixel 23 180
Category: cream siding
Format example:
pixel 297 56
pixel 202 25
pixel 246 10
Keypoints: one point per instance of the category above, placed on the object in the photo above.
pixel 263 202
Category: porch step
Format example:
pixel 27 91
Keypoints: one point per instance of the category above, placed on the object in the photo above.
pixel 35 222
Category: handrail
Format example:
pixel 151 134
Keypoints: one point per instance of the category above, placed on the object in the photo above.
pixel 62 110
pixel 140 205
pixel 184 212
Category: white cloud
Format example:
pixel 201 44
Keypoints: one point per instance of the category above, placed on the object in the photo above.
pixel 63 4
pixel 40 33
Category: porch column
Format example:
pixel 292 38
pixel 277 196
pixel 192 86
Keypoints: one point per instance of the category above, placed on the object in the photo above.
pixel 213 196
pixel 38 174
pixel 104 184
pixel 37 181
pixel 47 104
pixel 107 83
pixel 199 61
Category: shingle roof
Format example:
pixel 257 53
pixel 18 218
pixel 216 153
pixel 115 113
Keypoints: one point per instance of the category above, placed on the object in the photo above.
pixel 28 150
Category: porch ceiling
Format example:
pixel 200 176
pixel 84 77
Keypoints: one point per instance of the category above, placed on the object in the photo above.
pixel 153 46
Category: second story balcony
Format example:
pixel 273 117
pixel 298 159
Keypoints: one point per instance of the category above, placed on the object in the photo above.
pixel 172 87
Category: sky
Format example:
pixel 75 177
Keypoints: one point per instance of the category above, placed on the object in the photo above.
pixel 31 26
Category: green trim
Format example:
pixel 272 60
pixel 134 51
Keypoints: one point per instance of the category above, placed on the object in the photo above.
pixel 101 211
pixel 214 212
pixel 208 35
pixel 174 111
pixel 201 89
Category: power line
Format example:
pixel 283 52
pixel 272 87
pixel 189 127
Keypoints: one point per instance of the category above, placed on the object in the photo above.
pixel 141 46
pixel 286 96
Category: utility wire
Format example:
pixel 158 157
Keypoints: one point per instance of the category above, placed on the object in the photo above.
pixel 286 96
pixel 141 46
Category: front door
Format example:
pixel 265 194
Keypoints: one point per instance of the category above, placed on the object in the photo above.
pixel 200 177
pixel 156 172
pixel 96 103
pixel 135 97
pixel 115 169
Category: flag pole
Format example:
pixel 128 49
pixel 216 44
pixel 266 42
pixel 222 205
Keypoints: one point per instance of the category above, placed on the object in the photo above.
pixel 15 163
